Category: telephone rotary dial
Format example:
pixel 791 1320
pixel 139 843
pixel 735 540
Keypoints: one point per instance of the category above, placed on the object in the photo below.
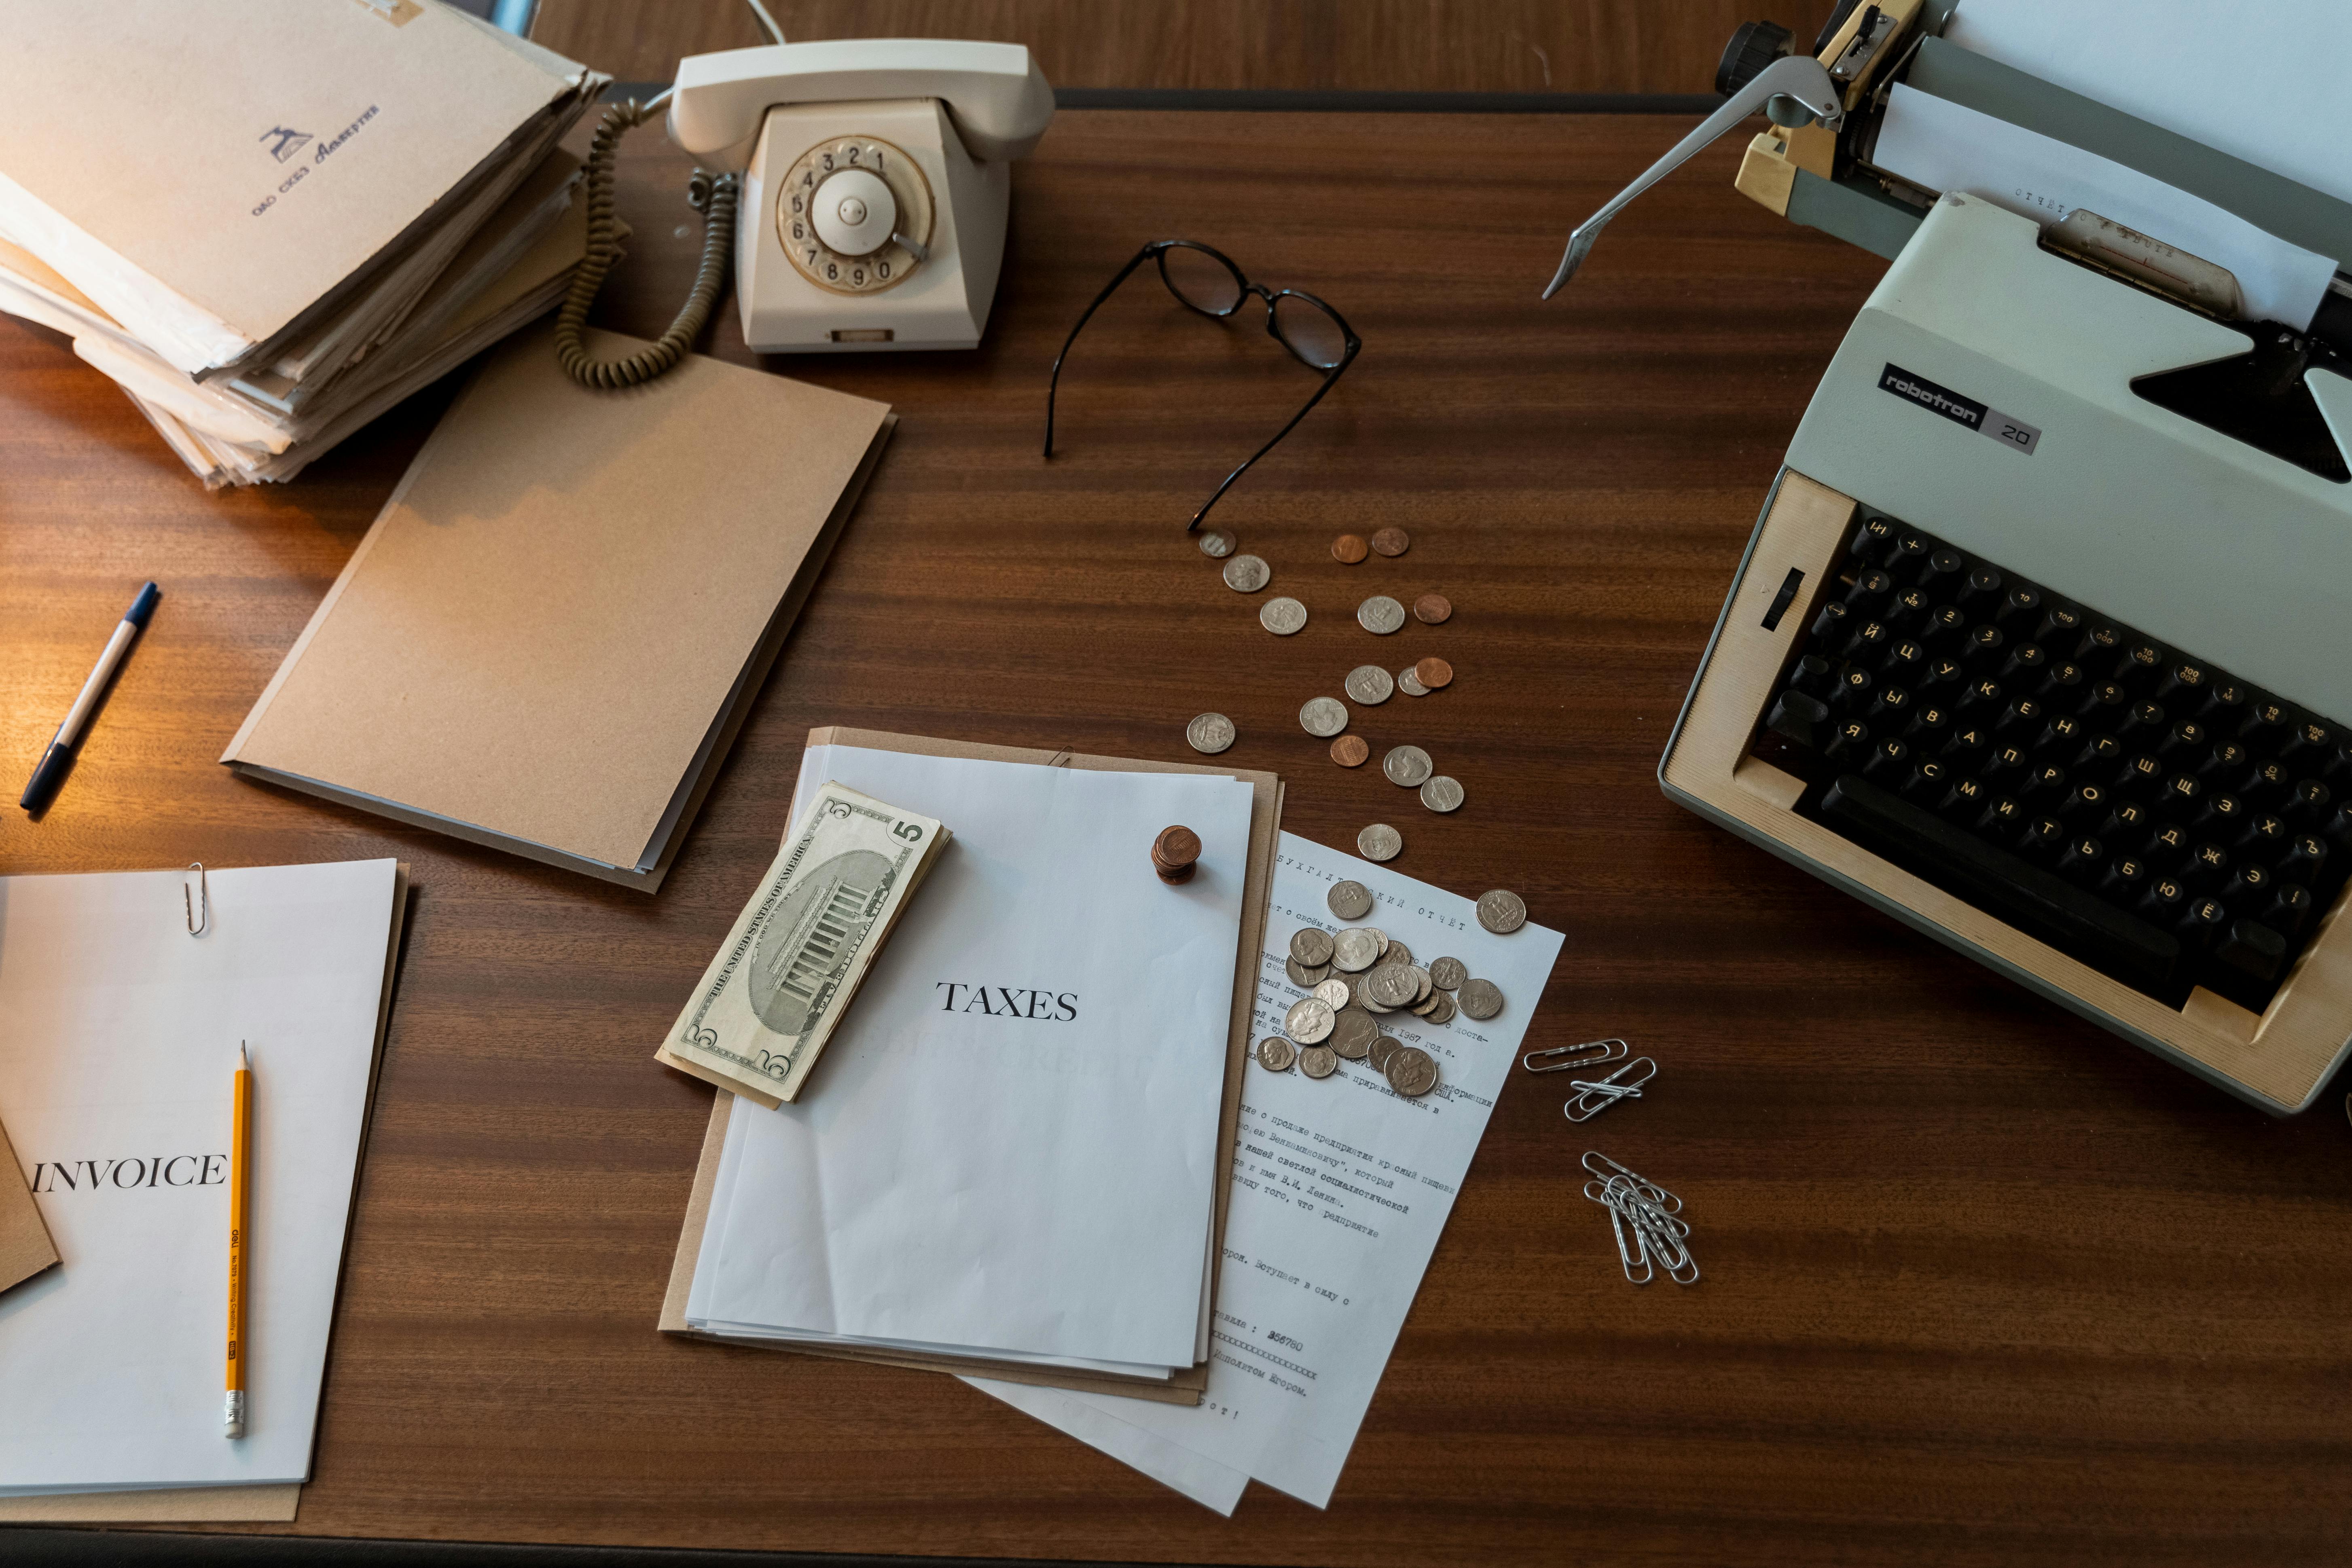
pixel 854 215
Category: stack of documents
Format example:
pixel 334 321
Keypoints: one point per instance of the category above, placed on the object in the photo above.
pixel 305 212
pixel 1011 1158
pixel 112 1361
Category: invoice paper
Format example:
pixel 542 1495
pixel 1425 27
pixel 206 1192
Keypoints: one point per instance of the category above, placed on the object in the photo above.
pixel 1340 1189
pixel 1945 146
pixel 1011 1145
pixel 119 1033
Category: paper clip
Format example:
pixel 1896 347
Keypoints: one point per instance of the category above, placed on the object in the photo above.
pixel 198 925
pixel 1649 1237
pixel 1641 1184
pixel 1593 1098
pixel 1603 1051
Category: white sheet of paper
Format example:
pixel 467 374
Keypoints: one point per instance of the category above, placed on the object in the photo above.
pixel 1943 146
pixel 2264 83
pixel 1340 1190
pixel 1027 1167
pixel 118 1039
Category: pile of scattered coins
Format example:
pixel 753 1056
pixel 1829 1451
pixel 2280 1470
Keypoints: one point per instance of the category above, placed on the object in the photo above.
pixel 1327 718
pixel 1359 973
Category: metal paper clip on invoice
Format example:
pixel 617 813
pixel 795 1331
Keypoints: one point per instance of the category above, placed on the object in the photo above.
pixel 1795 91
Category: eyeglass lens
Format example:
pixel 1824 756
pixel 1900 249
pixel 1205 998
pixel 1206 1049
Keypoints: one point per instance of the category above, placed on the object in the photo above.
pixel 1309 330
pixel 1200 280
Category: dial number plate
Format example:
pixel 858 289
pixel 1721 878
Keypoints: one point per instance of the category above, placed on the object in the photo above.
pixel 819 263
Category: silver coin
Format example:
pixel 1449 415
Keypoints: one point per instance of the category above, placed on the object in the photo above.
pixel 1276 1054
pixel 1501 911
pixel 1427 1005
pixel 1353 1034
pixel 1335 993
pixel 1282 616
pixel 1423 986
pixel 1364 997
pixel 1378 613
pixel 1308 1021
pixel 1211 733
pixel 1369 684
pixel 1384 939
pixel 1449 972
pixel 1216 543
pixel 1407 765
pixel 1380 842
pixel 1306 976
pixel 1349 900
pixel 1382 1050
pixel 1354 950
pixel 1412 1071
pixel 1392 985
pixel 1247 574
pixel 1480 999
pixel 1318 1061
pixel 1312 946
pixel 1323 717
pixel 1409 682
pixel 1442 1013
pixel 1442 793
pixel 1396 953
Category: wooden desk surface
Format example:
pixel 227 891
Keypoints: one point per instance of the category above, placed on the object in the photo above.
pixel 1983 1284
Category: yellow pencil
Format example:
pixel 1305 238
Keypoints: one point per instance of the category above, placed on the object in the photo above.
pixel 240 1163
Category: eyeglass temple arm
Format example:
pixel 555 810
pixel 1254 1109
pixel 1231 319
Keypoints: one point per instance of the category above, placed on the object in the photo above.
pixel 1798 78
pixel 1054 382
pixel 1333 376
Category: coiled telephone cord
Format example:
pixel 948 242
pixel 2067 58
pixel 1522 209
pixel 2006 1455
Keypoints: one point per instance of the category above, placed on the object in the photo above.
pixel 712 196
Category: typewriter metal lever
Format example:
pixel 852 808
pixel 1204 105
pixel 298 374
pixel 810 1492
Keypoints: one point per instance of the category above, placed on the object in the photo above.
pixel 1798 79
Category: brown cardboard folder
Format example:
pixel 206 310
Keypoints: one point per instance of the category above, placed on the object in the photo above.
pixel 1186 1385
pixel 552 633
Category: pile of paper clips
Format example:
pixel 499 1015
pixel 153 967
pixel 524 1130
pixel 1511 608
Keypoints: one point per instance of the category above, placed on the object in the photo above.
pixel 1595 1095
pixel 1651 1233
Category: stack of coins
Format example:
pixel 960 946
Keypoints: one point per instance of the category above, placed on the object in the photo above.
pixel 1173 854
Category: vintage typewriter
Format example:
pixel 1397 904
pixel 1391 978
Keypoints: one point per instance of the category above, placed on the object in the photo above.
pixel 2043 640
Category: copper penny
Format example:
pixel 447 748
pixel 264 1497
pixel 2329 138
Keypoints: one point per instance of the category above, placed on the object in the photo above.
pixel 1433 672
pixel 1175 848
pixel 1350 751
pixel 1350 547
pixel 1431 608
pixel 1392 542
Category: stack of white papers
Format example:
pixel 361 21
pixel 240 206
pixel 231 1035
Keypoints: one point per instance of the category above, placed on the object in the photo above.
pixel 1340 1191
pixel 119 1036
pixel 1010 1149
pixel 312 210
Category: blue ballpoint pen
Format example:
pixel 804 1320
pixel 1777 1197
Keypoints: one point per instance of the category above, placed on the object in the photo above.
pixel 42 786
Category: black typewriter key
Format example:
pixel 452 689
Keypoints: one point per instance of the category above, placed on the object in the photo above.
pixel 2105 705
pixel 2100 647
pixel 1868 639
pixel 2265 834
pixel 2104 752
pixel 2265 727
pixel 2164 899
pixel 2304 856
pixel 1904 556
pixel 2310 746
pixel 1929 719
pixel 2248 886
pixel 2184 792
pixel 2021 610
pixel 2267 783
pixel 2227 759
pixel 1829 625
pixel 2005 816
pixel 1982 650
pixel 1942 573
pixel 1891 706
pixel 1848 742
pixel 2142 664
pixel 2060 626
pixel 2061 683
pixel 1982 699
pixel 2183 743
pixel 2310 802
pixel 2207 866
pixel 1813 675
pixel 1799 719
pixel 1874 541
pixel 2086 803
pixel 2225 704
pixel 1979 592
pixel 2128 820
pixel 2046 786
pixel 2201 919
pixel 1966 741
pixel 2141 771
pixel 1929 781
pixel 1854 687
pixel 1909 609
pixel 2006 766
pixel 1889 761
pixel 1966 800
pixel 1944 671
pixel 2025 662
pixel 2168 841
pixel 2061 736
pixel 2183 684
pixel 2223 815
pixel 1868 590
pixel 2141 724
pixel 2291 906
pixel 2252 949
pixel 2124 878
pixel 1944 629
pixel 1906 661
pixel 2021 718
pixel 2085 858
pixel 2041 838
pixel 2339 828
pixel 2339 769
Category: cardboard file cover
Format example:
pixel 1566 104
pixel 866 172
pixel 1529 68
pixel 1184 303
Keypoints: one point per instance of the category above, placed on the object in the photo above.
pixel 1186 1385
pixel 25 1246
pixel 552 630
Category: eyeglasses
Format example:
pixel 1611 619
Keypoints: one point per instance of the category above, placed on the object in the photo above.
pixel 1206 280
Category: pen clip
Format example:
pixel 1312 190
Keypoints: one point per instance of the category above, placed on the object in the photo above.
pixel 198 925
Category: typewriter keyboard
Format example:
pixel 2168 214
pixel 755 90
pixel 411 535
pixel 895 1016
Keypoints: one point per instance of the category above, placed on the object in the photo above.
pixel 2119 799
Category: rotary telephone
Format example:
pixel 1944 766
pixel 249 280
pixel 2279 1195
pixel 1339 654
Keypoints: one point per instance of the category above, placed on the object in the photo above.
pixel 870 206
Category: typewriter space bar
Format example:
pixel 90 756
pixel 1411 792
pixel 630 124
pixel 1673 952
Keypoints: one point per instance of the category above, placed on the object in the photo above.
pixel 2038 902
